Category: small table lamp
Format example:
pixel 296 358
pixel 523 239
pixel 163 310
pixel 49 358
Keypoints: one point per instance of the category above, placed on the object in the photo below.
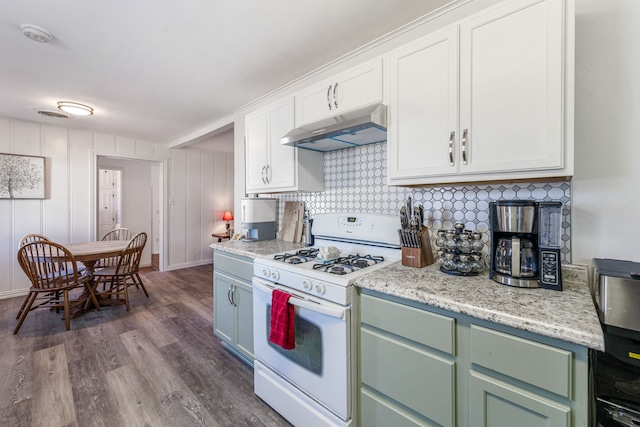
pixel 227 216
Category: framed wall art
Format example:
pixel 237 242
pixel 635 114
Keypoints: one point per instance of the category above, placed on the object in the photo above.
pixel 22 177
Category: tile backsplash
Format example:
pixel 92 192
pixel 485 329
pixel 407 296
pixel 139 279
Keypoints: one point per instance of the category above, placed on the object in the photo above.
pixel 355 181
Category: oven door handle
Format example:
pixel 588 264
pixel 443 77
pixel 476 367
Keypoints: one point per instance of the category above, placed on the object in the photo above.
pixel 302 303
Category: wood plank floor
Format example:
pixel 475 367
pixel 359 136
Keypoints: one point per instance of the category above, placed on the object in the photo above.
pixel 157 365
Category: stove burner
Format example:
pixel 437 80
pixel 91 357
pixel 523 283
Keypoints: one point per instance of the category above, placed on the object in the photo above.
pixel 363 261
pixel 334 268
pixel 310 252
pixel 299 257
pixel 348 264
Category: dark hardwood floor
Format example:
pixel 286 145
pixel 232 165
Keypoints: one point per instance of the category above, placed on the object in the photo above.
pixel 157 365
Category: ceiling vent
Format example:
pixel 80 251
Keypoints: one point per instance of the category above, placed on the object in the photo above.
pixel 55 114
pixel 36 33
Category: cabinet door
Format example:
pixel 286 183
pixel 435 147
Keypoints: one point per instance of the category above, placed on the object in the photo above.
pixel 511 87
pixel 282 165
pixel 355 88
pixel 223 310
pixel 410 375
pixel 256 151
pixel 244 311
pixel 493 403
pixel 424 107
pixel 359 87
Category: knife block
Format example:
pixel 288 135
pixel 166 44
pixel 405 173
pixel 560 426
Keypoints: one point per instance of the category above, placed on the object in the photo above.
pixel 419 257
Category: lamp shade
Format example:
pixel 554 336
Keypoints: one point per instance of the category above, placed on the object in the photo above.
pixel 227 216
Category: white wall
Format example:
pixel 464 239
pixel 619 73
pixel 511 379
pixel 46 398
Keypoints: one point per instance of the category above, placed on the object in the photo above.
pixel 200 190
pixel 606 185
pixel 68 213
pixel 200 184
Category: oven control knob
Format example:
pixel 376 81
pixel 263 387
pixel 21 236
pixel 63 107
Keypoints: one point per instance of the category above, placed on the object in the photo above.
pixel 266 272
pixel 320 288
pixel 307 284
pixel 275 275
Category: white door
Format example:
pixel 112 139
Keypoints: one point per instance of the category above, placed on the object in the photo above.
pixel 109 213
pixel 511 86
pixel 423 138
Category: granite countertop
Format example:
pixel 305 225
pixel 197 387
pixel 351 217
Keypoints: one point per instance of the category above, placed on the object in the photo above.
pixel 569 315
pixel 256 249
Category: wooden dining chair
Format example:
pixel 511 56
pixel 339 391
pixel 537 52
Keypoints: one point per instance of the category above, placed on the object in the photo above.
pixel 117 279
pixel 53 272
pixel 30 238
pixel 115 234
pixel 118 234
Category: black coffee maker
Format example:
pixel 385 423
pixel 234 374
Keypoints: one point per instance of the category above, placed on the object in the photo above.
pixel 525 243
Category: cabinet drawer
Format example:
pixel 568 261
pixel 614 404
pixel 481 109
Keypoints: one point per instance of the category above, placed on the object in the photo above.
pixel 409 375
pixel 238 266
pixel 426 328
pixel 537 364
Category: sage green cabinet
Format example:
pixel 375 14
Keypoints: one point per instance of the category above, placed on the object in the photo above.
pixel 498 403
pixel 424 366
pixel 233 303
pixel 407 373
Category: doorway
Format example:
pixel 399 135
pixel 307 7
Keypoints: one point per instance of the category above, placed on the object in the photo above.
pixel 109 200
pixel 130 196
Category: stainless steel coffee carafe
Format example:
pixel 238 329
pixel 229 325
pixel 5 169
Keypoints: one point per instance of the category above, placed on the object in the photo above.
pixel 516 257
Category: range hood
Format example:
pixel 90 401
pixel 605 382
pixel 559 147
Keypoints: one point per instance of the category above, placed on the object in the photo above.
pixel 358 127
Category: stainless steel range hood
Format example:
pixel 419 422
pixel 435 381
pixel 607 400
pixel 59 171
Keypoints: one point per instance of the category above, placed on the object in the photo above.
pixel 358 127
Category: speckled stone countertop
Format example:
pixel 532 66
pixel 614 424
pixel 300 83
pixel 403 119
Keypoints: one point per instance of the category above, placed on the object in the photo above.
pixel 568 315
pixel 255 249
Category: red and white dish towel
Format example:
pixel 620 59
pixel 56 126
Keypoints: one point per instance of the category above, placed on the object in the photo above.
pixel 282 320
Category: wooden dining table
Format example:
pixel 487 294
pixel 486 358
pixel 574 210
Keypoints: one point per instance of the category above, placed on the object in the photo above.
pixel 89 253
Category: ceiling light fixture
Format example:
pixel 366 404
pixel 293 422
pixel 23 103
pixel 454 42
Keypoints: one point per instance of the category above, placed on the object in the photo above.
pixel 75 108
pixel 36 33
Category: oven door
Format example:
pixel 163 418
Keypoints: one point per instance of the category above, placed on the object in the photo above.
pixel 319 363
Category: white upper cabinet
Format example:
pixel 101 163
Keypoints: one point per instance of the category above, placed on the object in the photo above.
pixel 485 99
pixel 357 87
pixel 423 107
pixel 272 167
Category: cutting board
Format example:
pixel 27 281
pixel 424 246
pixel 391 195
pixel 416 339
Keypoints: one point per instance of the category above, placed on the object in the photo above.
pixel 292 221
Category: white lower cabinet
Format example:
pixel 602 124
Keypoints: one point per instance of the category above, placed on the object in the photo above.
pixel 423 366
pixel 233 302
pixel 489 98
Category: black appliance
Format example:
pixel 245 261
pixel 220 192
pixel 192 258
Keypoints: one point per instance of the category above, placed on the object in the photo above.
pixel 616 371
pixel 525 243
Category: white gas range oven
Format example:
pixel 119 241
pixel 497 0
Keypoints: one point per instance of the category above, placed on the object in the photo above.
pixel 313 384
